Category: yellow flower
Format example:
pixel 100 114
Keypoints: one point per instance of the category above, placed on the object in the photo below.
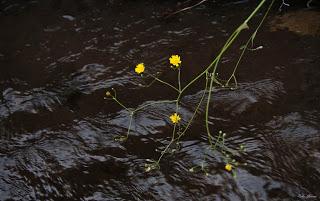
pixel 139 68
pixel 175 118
pixel 228 167
pixel 175 61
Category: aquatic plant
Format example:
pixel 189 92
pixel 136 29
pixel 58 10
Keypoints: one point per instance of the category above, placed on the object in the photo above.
pixel 210 75
pixel 139 68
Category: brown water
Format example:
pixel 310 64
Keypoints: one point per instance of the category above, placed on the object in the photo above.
pixel 57 59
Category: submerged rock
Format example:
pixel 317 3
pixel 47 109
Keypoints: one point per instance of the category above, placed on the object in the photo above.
pixel 303 22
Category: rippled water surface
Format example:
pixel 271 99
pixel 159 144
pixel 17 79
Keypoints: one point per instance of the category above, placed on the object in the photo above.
pixel 58 58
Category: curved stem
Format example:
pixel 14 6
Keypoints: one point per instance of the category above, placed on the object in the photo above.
pixel 154 103
pixel 208 105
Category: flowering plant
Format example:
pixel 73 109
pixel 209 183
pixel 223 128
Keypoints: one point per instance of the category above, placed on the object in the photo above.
pixel 211 80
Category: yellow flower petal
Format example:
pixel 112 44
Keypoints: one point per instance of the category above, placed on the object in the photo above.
pixel 175 61
pixel 228 167
pixel 139 68
pixel 175 118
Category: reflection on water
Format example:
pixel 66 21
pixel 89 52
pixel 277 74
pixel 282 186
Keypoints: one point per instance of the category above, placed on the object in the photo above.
pixel 58 58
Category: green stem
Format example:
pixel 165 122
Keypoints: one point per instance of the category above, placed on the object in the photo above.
pixel 217 141
pixel 165 150
pixel 179 79
pixel 247 43
pixel 173 132
pixel 163 82
pixel 208 105
pixel 194 113
pixel 124 107
pixel 226 46
pixel 130 123
pixel 255 10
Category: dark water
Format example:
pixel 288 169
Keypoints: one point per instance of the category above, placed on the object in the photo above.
pixel 57 59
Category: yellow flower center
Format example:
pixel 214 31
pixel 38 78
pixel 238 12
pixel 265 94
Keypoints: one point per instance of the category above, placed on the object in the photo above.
pixel 175 118
pixel 228 167
pixel 139 68
pixel 175 60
